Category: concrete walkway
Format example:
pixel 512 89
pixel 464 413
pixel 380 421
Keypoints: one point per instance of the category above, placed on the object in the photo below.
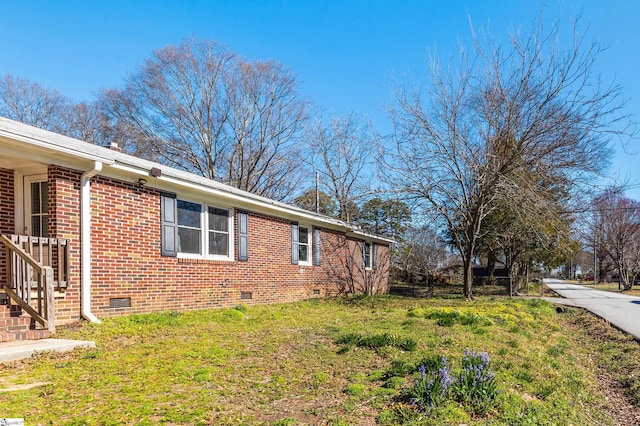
pixel 10 351
pixel 620 310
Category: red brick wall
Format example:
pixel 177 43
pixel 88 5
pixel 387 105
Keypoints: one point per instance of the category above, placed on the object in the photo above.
pixel 64 222
pixel 126 260
pixel 7 212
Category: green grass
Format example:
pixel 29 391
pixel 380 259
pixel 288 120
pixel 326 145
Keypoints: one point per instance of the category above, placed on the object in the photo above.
pixel 614 287
pixel 287 364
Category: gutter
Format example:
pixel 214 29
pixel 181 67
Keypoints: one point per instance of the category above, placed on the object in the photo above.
pixel 85 242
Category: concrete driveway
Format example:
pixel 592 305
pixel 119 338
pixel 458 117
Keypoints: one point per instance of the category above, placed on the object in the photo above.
pixel 619 309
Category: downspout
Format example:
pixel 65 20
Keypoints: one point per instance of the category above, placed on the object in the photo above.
pixel 85 242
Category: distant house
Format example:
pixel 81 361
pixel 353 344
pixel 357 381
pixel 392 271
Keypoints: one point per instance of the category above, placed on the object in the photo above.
pixel 110 234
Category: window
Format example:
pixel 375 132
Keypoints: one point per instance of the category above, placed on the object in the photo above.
pixel 369 255
pixel 303 244
pixel 203 230
pixel 300 244
pixel 36 206
pixel 189 227
pixel 218 231
pixel 366 255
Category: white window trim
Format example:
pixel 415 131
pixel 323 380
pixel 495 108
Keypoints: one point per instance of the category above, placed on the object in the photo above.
pixel 204 232
pixel 309 244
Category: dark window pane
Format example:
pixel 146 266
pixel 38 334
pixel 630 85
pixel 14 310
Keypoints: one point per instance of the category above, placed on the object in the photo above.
pixel 35 198
pixel 218 244
pixel 44 204
pixel 45 227
pixel 303 237
pixel 303 253
pixel 35 226
pixel 218 219
pixel 189 240
pixel 188 214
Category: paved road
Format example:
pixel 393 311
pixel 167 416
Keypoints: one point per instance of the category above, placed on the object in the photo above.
pixel 619 309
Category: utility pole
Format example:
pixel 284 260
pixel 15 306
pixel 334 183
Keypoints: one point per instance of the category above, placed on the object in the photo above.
pixel 317 192
pixel 595 260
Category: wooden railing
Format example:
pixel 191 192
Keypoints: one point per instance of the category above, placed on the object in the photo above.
pixel 51 252
pixel 30 283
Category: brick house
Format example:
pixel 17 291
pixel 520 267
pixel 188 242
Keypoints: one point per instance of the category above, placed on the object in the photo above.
pixel 91 232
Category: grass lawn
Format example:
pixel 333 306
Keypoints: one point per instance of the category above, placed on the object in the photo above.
pixel 332 362
pixel 610 287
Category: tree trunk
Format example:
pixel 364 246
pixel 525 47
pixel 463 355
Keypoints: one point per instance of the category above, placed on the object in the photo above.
pixel 623 279
pixel 468 278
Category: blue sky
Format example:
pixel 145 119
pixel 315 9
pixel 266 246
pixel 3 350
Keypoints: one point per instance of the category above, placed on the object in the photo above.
pixel 347 54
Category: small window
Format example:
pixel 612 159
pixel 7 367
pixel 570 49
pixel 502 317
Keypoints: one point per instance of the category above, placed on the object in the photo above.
pixel 303 244
pixel 300 244
pixel 218 231
pixel 366 255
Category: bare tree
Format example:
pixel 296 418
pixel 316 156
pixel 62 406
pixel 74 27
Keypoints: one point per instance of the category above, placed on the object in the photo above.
pixel 199 107
pixel 422 253
pixel 616 220
pixel 86 122
pixel 464 143
pixel 340 151
pixel 345 266
pixel 32 104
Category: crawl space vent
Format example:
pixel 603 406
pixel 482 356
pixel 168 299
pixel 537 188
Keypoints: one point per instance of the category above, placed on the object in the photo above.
pixel 245 295
pixel 120 302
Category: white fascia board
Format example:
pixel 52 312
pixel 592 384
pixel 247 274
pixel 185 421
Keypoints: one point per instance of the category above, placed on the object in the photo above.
pixel 37 155
pixel 354 233
pixel 51 142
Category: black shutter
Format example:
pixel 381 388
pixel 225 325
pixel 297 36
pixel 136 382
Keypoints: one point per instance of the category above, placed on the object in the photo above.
pixel 169 225
pixel 294 243
pixel 316 247
pixel 243 236
pixel 364 258
pixel 374 255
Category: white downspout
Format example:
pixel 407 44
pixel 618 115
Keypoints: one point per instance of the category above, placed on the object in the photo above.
pixel 85 242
